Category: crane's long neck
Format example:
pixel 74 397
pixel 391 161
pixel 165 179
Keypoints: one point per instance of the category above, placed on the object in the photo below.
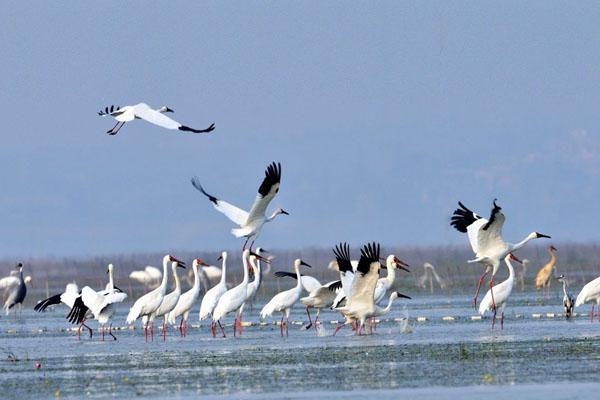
pixel 163 283
pixel 111 284
pixel 272 217
pixel 511 272
pixel 245 264
pixel 298 276
pixel 223 269
pixel 564 287
pixel 552 261
pixel 177 285
pixel 196 277
pixel 387 308
pixel 257 273
pixel 391 274
pixel 522 243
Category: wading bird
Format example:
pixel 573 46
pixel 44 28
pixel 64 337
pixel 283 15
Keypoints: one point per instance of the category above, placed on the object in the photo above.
pixel 429 274
pixel 146 305
pixel 186 300
pixel 212 296
pixel 590 292
pixel 501 294
pixel 143 111
pixel 544 275
pixel 101 304
pixel 284 301
pixel 486 240
pixel 68 298
pixel 232 299
pixel 250 223
pixel 170 300
pixel 360 305
pixel 568 299
pixel 15 289
pixel 253 286
pixel 384 284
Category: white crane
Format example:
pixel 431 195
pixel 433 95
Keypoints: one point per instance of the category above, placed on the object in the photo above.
pixel 346 269
pixel 102 304
pixel 568 299
pixel 146 305
pixel 590 292
pixel 150 277
pixel 186 300
pixel 232 299
pixel 15 289
pixel 429 274
pixel 212 296
pixel 253 286
pixel 68 298
pixel 284 301
pixel 384 284
pixel 145 112
pixel 250 223
pixel 360 302
pixel 170 300
pixel 486 240
pixel 501 293
pixel 319 296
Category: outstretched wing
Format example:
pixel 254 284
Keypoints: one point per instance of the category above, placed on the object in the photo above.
pixel 342 256
pixel 155 117
pixel 490 234
pixel 50 301
pixel 266 192
pixel 308 282
pixel 365 280
pixel 77 313
pixel 466 221
pixel 235 214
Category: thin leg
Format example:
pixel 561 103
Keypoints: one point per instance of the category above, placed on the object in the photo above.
pixel 492 293
pixel 102 330
pixel 240 324
pixel 310 323
pixel 245 243
pixel 181 327
pixel 502 320
pixel 222 330
pixel 87 327
pixel 113 128
pixel 152 330
pixel 494 318
pixel 598 313
pixel 592 313
pixel 251 244
pixel 317 319
pixel 235 325
pixel 79 332
pixel 110 332
pixel 164 332
pixel 474 302
pixel 287 324
pixel 213 329
pixel 281 327
pixel 339 327
pixel 146 333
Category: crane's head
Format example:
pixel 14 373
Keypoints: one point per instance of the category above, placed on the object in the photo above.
pixel 223 256
pixel 298 262
pixel 20 266
pixel 281 211
pixel 198 262
pixel 393 261
pixel 560 278
pixel 511 256
pixel 109 269
pixel 537 235
pixel 398 294
pixel 165 109
pixel 173 259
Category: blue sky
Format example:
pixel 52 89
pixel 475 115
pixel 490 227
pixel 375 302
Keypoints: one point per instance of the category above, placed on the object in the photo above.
pixel 383 116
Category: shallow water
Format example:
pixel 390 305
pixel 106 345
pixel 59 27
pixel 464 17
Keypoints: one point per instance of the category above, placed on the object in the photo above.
pixel 533 357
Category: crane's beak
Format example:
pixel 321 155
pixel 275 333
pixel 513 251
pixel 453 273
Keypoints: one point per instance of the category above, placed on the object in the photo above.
pixel 403 295
pixel 513 257
pixel 260 257
pixel 303 263
pixel 541 235
pixel 169 110
pixel 285 212
pixel 219 258
pixel 180 264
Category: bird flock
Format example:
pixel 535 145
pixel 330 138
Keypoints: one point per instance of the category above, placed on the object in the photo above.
pixel 358 295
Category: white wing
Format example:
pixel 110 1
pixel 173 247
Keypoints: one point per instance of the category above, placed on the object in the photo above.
pixel 473 233
pixel 235 214
pixel 146 113
pixel 153 272
pixel 266 192
pixel 490 234
pixel 309 283
pixel 92 300
pixel 9 282
pixel 70 295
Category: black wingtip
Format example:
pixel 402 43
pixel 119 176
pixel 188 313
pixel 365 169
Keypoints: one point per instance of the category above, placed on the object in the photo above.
pixel 196 183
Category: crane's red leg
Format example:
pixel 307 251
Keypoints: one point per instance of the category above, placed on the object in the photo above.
pixel 245 243
pixel 213 329
pixel 592 313
pixel 281 327
pixel 492 293
pixel 287 324
pixel 474 302
pixel 102 330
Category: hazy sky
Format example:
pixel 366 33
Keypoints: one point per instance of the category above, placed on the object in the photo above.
pixel 383 116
